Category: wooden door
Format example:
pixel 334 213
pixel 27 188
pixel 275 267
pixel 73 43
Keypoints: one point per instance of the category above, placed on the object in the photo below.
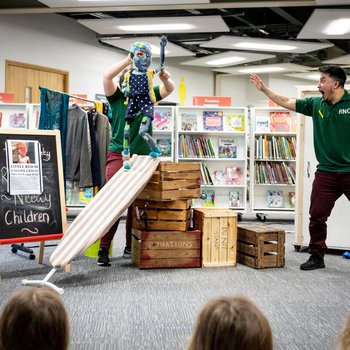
pixel 25 79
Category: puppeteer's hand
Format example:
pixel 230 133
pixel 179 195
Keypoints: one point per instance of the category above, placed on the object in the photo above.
pixel 255 79
pixel 129 58
pixel 164 75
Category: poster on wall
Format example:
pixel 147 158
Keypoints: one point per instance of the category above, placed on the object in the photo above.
pixel 24 171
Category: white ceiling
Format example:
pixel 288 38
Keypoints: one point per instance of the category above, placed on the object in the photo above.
pixel 171 50
pixel 231 42
pixel 203 24
pixel 244 57
pixel 320 20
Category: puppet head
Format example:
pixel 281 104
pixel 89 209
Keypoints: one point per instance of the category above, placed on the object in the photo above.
pixel 141 55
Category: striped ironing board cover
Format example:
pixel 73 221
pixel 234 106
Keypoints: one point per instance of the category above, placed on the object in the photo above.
pixel 104 209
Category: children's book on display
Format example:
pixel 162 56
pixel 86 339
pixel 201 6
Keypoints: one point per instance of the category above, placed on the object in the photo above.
pixel 189 121
pixel 213 120
pixel 227 148
pixel 162 119
pixel 274 199
pixel 236 122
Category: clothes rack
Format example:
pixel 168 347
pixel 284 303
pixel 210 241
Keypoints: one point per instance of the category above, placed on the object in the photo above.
pixel 70 95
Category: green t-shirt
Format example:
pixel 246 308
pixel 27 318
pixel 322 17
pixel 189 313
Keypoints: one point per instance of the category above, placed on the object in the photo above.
pixel 137 144
pixel 331 124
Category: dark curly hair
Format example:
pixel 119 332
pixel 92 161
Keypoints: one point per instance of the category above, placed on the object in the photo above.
pixel 335 73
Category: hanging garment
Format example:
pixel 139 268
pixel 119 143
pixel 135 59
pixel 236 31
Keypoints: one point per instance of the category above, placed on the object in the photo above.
pixel 95 158
pixel 103 133
pixel 78 147
pixel 53 115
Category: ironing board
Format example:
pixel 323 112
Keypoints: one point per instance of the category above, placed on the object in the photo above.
pixel 100 214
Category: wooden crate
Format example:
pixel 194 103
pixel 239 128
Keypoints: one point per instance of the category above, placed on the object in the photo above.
pixel 172 181
pixel 166 249
pixel 219 236
pixel 260 247
pixel 163 216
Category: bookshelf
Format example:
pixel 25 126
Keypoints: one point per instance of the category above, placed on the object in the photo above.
pixel 273 161
pixel 163 131
pixel 14 115
pixel 217 138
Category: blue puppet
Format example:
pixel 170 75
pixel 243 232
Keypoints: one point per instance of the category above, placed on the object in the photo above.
pixel 138 88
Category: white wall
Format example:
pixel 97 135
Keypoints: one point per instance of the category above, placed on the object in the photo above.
pixel 59 42
pixel 243 93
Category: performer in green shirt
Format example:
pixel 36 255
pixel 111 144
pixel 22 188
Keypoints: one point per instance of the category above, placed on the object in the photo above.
pixel 331 127
pixel 137 144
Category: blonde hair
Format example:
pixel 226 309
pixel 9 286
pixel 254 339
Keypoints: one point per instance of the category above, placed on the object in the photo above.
pixel 228 323
pixel 34 318
pixel 344 338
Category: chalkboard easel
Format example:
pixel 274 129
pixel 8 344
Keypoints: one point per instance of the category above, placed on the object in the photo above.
pixel 25 216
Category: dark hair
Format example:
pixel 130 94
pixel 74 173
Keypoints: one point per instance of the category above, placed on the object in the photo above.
pixel 34 318
pixel 335 73
pixel 231 323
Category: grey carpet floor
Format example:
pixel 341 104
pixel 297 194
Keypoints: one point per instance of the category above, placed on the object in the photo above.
pixel 122 307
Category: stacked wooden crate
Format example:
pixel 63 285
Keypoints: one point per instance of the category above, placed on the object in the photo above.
pixel 162 217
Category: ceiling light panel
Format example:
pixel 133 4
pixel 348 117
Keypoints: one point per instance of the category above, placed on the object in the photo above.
pixel 226 59
pixel 161 25
pixel 264 45
pixel 344 60
pixel 86 3
pixel 332 2
pixel 264 69
pixel 327 24
pixel 171 50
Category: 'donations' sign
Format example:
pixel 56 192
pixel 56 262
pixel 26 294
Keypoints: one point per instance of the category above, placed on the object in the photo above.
pixel 32 202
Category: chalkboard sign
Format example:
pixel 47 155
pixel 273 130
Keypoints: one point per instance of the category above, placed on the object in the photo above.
pixel 32 201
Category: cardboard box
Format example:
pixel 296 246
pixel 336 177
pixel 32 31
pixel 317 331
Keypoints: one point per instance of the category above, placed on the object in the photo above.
pixel 260 247
pixel 166 249
pixel 219 236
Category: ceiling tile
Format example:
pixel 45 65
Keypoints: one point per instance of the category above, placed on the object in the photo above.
pixel 85 3
pixel 239 57
pixel 265 45
pixel 320 20
pixel 171 50
pixel 345 59
pixel 200 24
pixel 282 68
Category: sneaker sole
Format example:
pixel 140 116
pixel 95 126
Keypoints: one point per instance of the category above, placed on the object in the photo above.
pixel 127 256
pixel 103 264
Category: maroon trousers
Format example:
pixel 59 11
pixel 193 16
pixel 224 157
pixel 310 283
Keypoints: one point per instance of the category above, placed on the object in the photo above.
pixel 326 189
pixel 114 163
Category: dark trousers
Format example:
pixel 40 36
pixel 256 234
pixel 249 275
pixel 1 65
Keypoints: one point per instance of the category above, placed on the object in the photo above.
pixel 326 189
pixel 114 163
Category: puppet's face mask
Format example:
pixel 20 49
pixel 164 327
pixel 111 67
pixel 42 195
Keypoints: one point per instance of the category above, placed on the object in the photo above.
pixel 142 56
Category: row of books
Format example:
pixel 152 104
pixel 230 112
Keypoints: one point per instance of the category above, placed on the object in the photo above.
pixel 213 121
pixel 209 199
pixel 232 175
pixel 201 147
pixel 275 122
pixel 274 199
pixel 275 147
pixel 195 147
pixel 274 173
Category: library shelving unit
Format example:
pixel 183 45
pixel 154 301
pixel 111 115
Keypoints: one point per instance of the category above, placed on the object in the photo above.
pixel 217 138
pixel 163 131
pixel 272 161
pixel 14 115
